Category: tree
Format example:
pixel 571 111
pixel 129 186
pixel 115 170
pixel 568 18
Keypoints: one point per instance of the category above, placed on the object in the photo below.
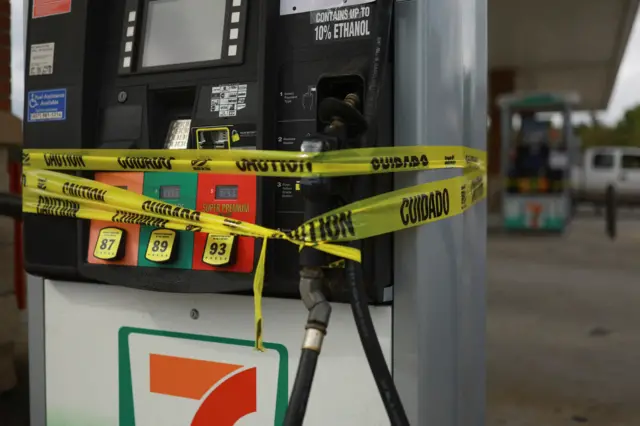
pixel 598 135
pixel 628 128
pixel 624 133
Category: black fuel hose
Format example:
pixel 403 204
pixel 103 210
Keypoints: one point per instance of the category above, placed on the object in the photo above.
pixel 371 345
pixel 357 291
pixel 301 388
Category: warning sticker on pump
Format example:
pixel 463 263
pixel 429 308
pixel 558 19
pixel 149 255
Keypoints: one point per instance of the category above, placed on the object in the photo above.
pixel 341 23
pixel 44 8
pixel 228 99
pixel 347 162
pixel 41 59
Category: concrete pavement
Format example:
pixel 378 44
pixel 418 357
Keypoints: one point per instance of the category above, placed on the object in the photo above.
pixel 563 327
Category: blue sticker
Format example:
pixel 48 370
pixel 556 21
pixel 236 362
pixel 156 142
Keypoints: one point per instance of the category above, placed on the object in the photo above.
pixel 47 105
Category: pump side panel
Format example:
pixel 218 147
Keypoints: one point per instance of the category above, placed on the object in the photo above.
pixel 122 357
pixel 439 291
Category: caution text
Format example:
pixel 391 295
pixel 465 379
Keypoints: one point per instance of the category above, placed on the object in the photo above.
pixel 424 207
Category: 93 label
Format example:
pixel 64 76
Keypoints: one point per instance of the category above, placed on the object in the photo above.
pixel 219 250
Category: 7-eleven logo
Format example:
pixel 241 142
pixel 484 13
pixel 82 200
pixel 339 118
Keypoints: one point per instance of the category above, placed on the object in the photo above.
pixel 226 392
pixel 178 379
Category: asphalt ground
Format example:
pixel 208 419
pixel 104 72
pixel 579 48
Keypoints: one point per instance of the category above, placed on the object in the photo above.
pixel 563 326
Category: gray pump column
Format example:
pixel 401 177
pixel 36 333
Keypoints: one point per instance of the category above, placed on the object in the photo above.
pixel 439 300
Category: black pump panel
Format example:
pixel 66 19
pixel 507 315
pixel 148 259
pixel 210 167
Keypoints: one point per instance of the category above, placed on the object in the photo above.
pixel 119 73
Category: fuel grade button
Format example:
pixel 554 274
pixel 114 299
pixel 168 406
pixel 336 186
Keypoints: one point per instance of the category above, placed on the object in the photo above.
pixel 110 245
pixel 162 246
pixel 220 250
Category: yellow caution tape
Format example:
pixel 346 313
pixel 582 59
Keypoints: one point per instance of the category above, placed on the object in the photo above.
pixel 56 194
pixel 347 162
pixel 87 192
pixel 395 211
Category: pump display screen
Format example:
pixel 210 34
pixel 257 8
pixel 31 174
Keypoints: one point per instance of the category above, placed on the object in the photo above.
pixel 227 192
pixel 183 31
pixel 170 192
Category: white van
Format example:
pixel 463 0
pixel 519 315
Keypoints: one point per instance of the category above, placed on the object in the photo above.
pixel 602 167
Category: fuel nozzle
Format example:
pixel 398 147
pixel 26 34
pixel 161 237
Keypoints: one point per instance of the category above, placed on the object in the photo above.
pixel 342 121
pixel 338 114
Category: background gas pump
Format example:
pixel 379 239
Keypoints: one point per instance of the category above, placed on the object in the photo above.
pixel 536 161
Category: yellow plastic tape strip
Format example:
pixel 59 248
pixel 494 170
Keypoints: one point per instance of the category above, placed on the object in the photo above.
pixel 57 194
pixel 63 195
pixel 42 202
pixel 347 162
pixel 38 202
pixel 395 211
pixel 258 285
pixel 103 194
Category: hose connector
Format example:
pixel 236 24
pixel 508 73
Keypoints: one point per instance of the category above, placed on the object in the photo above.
pixel 314 300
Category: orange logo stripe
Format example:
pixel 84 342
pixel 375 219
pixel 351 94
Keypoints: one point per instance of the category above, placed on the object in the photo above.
pixel 184 377
pixel 230 401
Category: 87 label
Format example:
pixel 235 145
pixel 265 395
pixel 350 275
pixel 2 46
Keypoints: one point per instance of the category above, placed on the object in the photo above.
pixel 109 244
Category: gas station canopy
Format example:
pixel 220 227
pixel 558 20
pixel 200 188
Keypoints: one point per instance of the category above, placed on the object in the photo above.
pixel 561 45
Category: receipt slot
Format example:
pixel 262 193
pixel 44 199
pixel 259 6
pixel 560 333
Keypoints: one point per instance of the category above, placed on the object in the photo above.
pixel 231 196
pixel 166 248
pixel 115 243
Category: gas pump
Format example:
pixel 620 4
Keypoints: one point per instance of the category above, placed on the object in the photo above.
pixel 536 161
pixel 157 323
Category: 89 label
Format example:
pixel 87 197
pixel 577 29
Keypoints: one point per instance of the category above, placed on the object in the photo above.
pixel 161 244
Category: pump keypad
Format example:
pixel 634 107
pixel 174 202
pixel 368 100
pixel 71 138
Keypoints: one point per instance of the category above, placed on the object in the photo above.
pixel 110 244
pixel 162 246
pixel 220 250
